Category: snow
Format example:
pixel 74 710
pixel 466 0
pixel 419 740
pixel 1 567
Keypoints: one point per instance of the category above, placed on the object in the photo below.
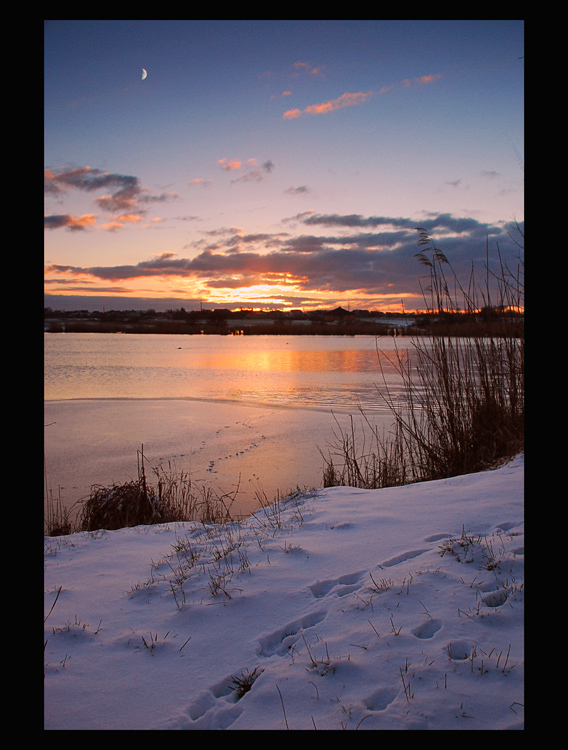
pixel 399 608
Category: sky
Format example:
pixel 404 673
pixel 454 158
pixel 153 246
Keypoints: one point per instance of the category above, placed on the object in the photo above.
pixel 276 164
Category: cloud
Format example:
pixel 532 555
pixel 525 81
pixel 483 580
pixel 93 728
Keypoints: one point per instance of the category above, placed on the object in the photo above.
pixel 123 200
pixel 255 172
pixel 301 190
pixel 89 179
pixel 120 221
pixel 229 164
pixel 345 100
pixel 367 262
pixel 72 223
pixel 422 80
pixel 435 224
pixel 308 68
pixel 126 197
pixel 251 170
pixel 350 99
pixel 200 181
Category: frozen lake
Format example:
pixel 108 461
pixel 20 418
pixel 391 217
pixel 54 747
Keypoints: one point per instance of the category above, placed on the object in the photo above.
pixel 252 411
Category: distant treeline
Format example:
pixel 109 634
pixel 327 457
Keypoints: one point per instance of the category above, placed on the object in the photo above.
pixel 332 322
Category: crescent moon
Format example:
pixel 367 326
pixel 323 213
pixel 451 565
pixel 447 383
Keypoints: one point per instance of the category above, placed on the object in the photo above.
pixel 144 74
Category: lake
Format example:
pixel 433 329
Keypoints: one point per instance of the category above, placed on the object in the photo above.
pixel 247 411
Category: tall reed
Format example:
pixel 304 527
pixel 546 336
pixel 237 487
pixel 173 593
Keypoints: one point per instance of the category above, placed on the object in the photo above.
pixel 463 404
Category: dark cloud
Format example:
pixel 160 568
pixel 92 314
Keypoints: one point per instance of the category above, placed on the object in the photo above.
pixel 55 221
pixel 434 223
pixel 124 191
pixel 72 223
pixel 254 172
pixel 301 190
pixel 89 179
pixel 369 263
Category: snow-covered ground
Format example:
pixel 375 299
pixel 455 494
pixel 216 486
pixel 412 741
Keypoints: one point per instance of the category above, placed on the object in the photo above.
pixel 399 608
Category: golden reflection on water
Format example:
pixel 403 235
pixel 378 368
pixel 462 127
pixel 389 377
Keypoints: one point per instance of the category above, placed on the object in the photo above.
pixel 291 360
pixel 295 371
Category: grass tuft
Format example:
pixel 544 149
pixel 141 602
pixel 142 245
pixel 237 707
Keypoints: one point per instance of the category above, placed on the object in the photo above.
pixel 170 497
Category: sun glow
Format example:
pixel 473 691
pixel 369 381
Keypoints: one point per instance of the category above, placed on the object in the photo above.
pixel 257 296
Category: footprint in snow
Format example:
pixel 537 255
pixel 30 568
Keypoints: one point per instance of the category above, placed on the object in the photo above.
pixel 459 650
pixel 340 586
pixel 436 537
pixel 495 598
pixel 215 708
pixel 281 641
pixel 381 698
pixel 402 557
pixel 427 629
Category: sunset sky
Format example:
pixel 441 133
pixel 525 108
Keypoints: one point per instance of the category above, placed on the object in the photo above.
pixel 276 164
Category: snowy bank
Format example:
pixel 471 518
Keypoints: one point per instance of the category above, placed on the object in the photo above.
pixel 399 608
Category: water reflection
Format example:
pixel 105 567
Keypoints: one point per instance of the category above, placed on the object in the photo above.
pixel 226 409
pixel 293 371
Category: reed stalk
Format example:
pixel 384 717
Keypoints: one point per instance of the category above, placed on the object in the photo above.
pixel 462 408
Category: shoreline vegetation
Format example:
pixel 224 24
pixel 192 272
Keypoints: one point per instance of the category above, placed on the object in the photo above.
pixel 462 412
pixel 463 408
pixel 486 322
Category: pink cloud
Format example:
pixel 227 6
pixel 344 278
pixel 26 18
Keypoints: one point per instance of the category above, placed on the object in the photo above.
pixel 421 80
pixel 291 114
pixel 345 100
pixel 86 220
pixel 229 164
pixel 120 221
pixel 350 99
pixel 72 223
pixel 309 68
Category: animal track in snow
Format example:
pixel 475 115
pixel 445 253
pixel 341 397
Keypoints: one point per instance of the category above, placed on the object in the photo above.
pixel 495 598
pixel 280 641
pixel 459 650
pixel 427 629
pixel 215 708
pixel 505 526
pixel 402 557
pixel 340 586
pixel 436 537
pixel 380 698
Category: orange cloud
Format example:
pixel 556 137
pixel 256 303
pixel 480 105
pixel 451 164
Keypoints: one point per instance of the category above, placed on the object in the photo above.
pixel 421 80
pixel 229 164
pixel 345 100
pixel 72 223
pixel 120 221
pixel 291 114
pixel 129 218
pixel 351 99
pixel 86 220
pixel 308 68
pixel 430 78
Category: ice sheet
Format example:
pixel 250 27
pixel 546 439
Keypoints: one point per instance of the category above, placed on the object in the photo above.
pixel 221 443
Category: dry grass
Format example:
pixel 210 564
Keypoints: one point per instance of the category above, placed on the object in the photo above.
pixel 170 497
pixel 463 404
pixel 173 497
